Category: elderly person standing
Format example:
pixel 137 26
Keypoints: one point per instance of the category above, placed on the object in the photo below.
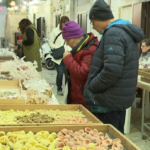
pixel 144 61
pixel 79 59
pixel 111 83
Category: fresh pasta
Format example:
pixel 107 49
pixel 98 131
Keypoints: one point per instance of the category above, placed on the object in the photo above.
pixel 69 116
pixel 87 139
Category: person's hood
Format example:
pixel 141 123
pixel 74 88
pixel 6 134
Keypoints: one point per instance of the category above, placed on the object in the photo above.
pixel 88 40
pixel 93 40
pixel 134 31
pixel 32 26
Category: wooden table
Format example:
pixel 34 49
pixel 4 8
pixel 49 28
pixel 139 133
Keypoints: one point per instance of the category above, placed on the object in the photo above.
pixel 145 104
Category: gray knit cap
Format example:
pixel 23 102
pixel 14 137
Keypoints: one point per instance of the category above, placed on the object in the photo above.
pixel 100 11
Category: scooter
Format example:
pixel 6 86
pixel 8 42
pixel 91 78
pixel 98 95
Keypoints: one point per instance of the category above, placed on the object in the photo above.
pixel 46 55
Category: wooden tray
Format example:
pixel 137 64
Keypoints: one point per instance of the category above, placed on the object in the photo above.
pixel 11 85
pixel 86 112
pixel 113 132
pixel 144 72
pixel 147 80
pixel 6 58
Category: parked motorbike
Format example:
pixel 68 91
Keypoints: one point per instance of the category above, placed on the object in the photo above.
pixel 46 55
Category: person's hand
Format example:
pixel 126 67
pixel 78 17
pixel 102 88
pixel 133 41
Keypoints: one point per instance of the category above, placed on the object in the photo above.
pixel 20 41
pixel 15 48
pixel 66 53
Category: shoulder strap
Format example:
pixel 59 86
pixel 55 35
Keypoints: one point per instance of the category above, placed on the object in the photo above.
pixel 57 37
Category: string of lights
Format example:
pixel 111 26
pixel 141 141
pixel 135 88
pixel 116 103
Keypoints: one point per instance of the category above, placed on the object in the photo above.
pixel 18 5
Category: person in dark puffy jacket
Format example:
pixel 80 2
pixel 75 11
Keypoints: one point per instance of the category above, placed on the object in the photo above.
pixel 79 59
pixel 111 83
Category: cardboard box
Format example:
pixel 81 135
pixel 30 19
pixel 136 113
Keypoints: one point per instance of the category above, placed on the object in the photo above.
pixel 112 132
pixel 86 112
pixel 10 86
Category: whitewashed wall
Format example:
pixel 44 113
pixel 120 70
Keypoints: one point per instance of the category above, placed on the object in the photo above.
pixel 120 9
pixel 125 8
pixel 3 19
pixel 78 9
pixel 49 10
pixel 42 11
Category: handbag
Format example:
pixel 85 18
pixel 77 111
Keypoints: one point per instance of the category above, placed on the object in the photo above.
pixel 58 52
pixel 19 52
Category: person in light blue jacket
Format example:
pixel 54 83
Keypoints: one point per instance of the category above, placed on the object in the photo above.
pixel 112 79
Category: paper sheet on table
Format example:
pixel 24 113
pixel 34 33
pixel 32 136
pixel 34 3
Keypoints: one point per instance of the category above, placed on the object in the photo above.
pixel 53 100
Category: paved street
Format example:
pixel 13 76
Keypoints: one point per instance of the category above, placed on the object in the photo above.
pixel 50 77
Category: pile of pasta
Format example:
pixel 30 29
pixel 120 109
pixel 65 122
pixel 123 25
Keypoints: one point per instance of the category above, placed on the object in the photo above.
pixel 37 99
pixel 36 95
pixel 28 141
pixel 35 118
pixel 74 120
pixel 10 117
pixel 86 139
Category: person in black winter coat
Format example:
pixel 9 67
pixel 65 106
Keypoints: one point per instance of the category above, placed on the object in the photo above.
pixel 111 83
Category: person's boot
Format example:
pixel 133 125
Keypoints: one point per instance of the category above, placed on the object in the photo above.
pixel 60 93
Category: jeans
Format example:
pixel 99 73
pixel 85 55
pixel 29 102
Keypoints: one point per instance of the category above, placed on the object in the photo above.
pixel 60 70
pixel 115 118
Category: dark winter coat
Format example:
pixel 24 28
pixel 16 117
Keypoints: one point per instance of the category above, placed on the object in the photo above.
pixel 78 65
pixel 113 73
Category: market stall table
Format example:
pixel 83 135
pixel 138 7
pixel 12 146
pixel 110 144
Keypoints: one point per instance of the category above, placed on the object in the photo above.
pixel 145 103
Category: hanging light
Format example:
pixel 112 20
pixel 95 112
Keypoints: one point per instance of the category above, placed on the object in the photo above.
pixel 30 2
pixel 24 2
pixel 16 7
pixel 24 7
pixel 12 3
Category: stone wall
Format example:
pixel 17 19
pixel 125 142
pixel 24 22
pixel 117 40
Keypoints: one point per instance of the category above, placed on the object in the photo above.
pixel 11 26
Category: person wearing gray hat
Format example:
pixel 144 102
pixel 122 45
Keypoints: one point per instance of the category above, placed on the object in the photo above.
pixel 111 83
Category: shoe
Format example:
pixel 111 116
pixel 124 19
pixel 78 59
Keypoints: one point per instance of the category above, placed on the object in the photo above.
pixel 60 93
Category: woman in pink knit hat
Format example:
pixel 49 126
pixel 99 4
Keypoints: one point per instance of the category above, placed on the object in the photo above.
pixel 79 59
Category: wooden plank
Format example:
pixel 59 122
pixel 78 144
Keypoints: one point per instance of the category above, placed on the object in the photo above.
pixel 86 112
pixel 100 127
pixel 34 107
pixel 125 141
pixel 143 85
pixel 12 101
pixel 147 80
pixel 6 58
pixel 144 72
pixel 4 83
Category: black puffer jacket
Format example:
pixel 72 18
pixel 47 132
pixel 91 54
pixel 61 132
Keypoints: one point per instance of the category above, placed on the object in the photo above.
pixel 113 73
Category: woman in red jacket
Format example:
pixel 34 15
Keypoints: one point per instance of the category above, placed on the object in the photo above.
pixel 79 59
